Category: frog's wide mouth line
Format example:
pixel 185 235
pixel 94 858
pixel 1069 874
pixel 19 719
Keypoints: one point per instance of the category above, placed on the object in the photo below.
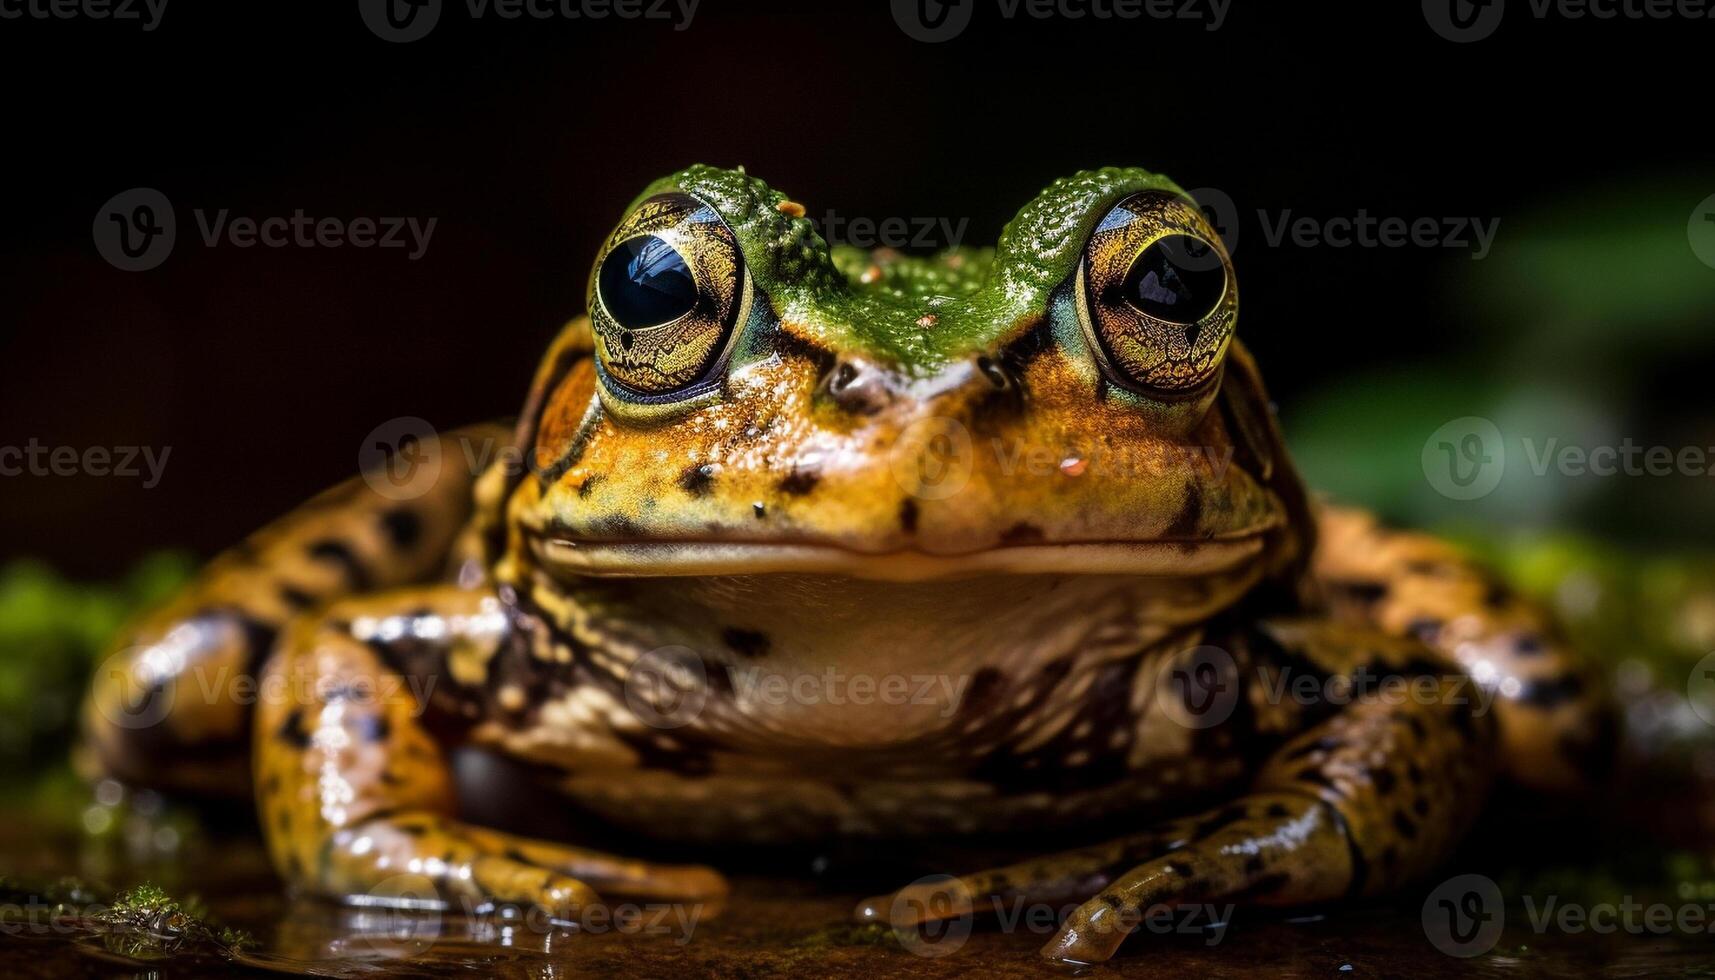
pixel 640 559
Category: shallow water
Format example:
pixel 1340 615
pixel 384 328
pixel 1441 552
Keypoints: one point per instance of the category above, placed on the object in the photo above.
pixel 784 924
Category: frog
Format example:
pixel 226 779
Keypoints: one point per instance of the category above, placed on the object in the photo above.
pixel 797 543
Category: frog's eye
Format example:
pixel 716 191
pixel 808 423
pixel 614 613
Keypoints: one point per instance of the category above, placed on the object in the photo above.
pixel 664 297
pixel 1158 294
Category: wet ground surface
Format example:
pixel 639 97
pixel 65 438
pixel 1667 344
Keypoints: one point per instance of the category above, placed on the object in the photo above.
pixel 795 925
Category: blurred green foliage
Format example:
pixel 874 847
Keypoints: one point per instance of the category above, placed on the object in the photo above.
pixel 1589 325
pixel 51 632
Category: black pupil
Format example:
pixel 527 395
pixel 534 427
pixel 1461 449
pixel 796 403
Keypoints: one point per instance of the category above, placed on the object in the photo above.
pixel 1178 279
pixel 645 282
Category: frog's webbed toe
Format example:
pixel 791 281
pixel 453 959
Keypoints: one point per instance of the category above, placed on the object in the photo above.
pixel 356 797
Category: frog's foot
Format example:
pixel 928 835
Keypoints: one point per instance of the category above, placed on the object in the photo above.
pixel 1369 798
pixel 355 795
pixel 400 855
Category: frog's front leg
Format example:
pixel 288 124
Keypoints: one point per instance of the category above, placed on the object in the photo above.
pixel 354 791
pixel 1376 792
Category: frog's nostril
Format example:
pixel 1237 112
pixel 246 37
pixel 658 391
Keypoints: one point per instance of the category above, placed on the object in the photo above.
pixel 995 372
pixel 857 386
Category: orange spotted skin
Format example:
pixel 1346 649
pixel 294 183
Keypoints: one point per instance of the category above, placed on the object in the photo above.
pixel 1037 492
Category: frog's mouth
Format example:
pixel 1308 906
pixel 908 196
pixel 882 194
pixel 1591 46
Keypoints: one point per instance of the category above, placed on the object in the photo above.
pixel 634 559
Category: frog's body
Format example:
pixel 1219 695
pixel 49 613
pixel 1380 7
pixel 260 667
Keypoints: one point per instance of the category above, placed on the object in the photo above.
pixel 811 543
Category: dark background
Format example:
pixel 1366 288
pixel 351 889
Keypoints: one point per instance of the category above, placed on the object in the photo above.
pixel 263 369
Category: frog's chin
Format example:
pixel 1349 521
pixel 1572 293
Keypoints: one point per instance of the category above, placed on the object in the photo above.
pixel 635 559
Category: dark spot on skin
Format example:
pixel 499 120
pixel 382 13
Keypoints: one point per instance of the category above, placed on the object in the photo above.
pixel 1190 514
pixel 589 484
pixel 1553 692
pixel 1253 864
pixel 1416 725
pixel 1527 644
pixel 404 528
pixel 1111 901
pixel 1390 857
pixel 800 482
pixel 295 597
pixel 1179 868
pixel 908 515
pixel 618 526
pixel 1414 772
pixel 339 553
pixel 1364 593
pixel 291 730
pixel 1022 533
pixel 1276 811
pixel 1425 628
pixel 1497 595
pixel 760 509
pixel 1421 807
pixel 746 643
pixel 1383 779
pixel 698 480
pixel 1405 826
pixel 375 728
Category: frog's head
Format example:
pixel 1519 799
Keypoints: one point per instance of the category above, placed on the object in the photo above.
pixel 742 398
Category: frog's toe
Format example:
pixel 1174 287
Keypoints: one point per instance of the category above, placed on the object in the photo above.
pixel 610 873
pixel 507 881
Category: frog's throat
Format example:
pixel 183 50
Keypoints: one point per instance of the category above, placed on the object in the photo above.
pixel 701 558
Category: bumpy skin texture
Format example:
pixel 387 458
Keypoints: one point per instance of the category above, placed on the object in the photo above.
pixel 897 466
